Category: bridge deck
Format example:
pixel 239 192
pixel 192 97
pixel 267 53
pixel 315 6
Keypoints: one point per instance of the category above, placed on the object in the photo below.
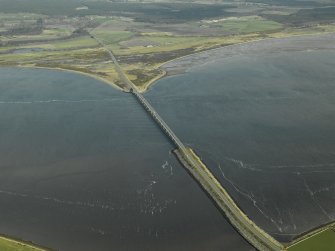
pixel 159 120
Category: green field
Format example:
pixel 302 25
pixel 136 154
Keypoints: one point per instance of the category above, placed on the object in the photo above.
pixel 75 43
pixel 246 24
pixel 112 37
pixel 320 241
pixel 10 245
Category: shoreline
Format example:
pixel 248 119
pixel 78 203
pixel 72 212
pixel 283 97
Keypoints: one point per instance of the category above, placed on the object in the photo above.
pixel 106 81
pixel 247 42
pixel 306 234
pixel 152 82
pixel 165 72
pixel 22 242
pixel 239 220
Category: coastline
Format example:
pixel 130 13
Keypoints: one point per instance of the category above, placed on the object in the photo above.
pixel 150 83
pixel 306 234
pixel 106 81
pixel 181 64
pixel 22 242
pixel 167 72
pixel 246 43
pixel 314 238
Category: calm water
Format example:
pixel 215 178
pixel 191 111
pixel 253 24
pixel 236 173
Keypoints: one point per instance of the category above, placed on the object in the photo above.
pixel 84 168
pixel 265 124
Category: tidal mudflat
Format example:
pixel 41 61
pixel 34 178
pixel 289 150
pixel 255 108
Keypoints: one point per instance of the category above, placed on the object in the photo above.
pixel 262 116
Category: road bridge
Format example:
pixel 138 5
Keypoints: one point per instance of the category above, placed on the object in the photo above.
pixel 192 163
pixel 147 106
pixel 166 129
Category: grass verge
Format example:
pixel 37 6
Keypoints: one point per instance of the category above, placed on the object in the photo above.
pixel 7 244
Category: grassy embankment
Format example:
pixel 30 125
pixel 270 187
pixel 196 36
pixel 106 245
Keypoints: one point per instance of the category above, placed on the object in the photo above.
pixel 7 244
pixel 321 239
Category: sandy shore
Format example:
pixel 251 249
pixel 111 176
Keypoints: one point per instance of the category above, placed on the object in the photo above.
pixel 72 71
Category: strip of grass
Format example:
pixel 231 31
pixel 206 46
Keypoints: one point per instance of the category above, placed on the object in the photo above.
pixel 11 245
pixel 75 43
pixel 173 43
pixel 111 37
pixel 246 25
pixel 321 241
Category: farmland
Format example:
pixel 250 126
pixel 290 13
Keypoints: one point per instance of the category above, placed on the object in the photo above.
pixel 59 37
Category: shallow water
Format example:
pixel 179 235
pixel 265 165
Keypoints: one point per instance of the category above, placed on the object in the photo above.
pixel 265 124
pixel 83 167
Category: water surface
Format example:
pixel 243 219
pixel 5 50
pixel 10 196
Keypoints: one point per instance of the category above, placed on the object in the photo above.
pixel 83 168
pixel 262 116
